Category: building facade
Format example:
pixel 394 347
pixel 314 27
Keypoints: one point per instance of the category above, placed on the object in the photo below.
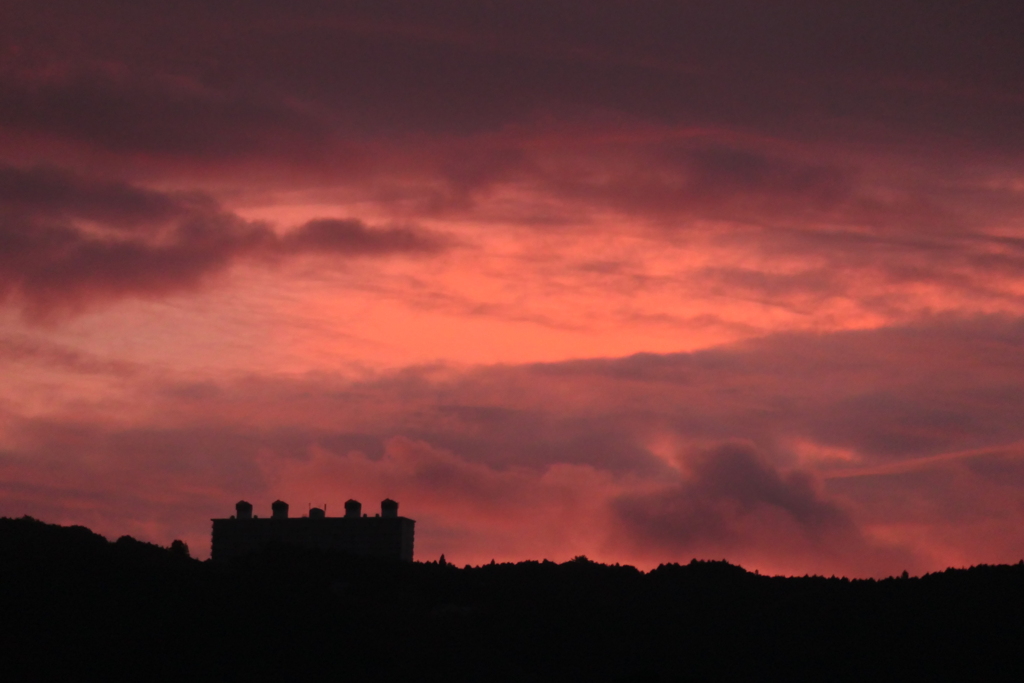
pixel 384 535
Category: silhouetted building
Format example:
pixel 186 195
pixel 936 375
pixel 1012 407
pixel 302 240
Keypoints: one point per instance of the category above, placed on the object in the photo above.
pixel 384 535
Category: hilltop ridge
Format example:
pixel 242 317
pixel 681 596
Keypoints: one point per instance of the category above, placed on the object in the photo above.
pixel 78 606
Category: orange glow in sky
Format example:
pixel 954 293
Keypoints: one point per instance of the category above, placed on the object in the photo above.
pixel 664 287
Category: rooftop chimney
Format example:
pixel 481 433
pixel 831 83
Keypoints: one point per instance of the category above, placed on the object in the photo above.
pixel 243 510
pixel 353 508
pixel 280 509
pixel 388 508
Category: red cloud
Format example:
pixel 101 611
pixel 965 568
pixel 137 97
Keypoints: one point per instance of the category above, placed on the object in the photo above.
pixel 824 168
pixel 846 453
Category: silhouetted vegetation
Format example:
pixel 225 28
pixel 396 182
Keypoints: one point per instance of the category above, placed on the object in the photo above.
pixel 74 606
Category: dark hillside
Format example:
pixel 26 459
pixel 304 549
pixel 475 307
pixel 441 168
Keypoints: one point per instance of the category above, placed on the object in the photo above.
pixel 74 606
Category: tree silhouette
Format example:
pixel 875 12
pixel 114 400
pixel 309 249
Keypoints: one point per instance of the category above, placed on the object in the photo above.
pixel 77 607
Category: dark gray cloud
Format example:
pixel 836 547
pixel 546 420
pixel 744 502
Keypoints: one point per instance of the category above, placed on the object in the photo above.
pixel 723 488
pixel 276 76
pixel 24 350
pixel 130 109
pixel 66 240
pixel 673 183
pixel 353 237
pixel 56 266
pixel 878 137
pixel 48 192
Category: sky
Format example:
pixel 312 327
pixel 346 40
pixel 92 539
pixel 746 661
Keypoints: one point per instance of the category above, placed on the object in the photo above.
pixel 644 282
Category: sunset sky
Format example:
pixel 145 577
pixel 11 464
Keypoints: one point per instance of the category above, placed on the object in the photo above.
pixel 644 281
